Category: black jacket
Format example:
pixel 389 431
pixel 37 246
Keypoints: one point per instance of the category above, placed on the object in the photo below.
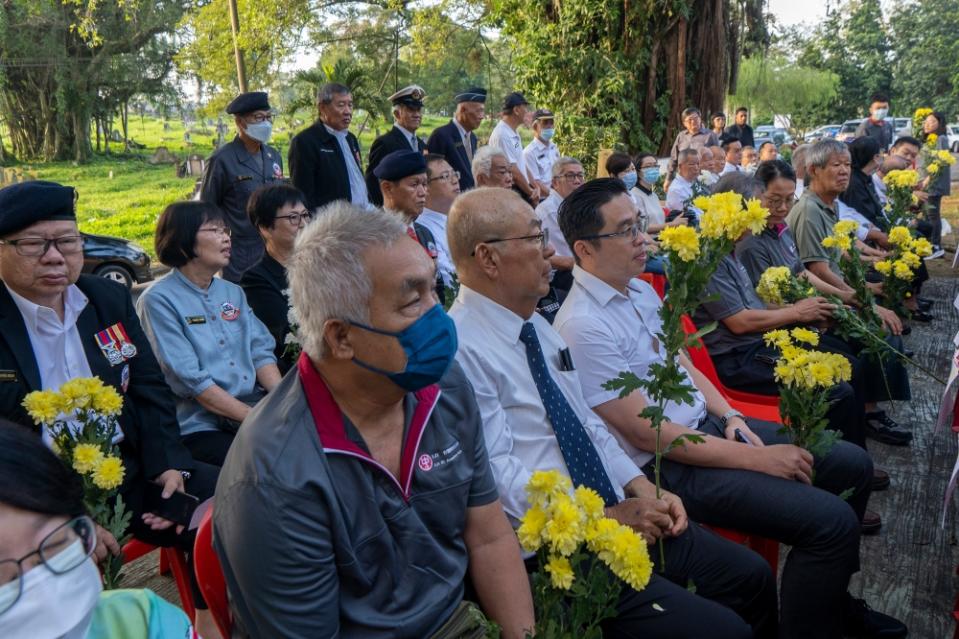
pixel 151 442
pixel 317 165
pixel 264 285
pixel 861 195
pixel 446 141
pixel 392 140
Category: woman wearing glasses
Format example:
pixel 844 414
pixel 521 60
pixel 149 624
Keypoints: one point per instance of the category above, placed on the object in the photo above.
pixel 216 355
pixel 49 585
pixel 279 212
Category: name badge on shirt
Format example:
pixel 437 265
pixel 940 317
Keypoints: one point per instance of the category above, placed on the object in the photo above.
pixel 195 319
pixel 8 376
pixel 243 178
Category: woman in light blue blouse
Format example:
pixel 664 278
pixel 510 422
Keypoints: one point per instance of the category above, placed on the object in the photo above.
pixel 216 355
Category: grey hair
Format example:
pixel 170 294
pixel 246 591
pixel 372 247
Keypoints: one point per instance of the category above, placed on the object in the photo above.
pixel 483 160
pixel 687 153
pixel 327 272
pixel 562 163
pixel 820 152
pixel 799 158
pixel 328 90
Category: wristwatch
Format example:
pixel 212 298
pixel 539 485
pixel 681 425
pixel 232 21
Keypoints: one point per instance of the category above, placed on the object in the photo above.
pixel 730 414
pixel 187 474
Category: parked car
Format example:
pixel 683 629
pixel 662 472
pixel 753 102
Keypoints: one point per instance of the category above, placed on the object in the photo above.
pixel 116 259
pixel 823 132
pixel 952 130
pixel 767 133
pixel 900 127
pixel 848 130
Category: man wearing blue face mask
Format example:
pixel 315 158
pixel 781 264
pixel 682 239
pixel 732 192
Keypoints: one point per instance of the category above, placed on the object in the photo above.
pixel 237 169
pixel 363 481
pixel 541 154
pixel 876 126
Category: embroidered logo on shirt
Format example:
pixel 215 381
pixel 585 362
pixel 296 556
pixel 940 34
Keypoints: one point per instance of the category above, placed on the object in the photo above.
pixel 425 463
pixel 229 312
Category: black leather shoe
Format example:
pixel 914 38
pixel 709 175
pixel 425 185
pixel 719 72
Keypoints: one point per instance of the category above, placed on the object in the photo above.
pixel 883 428
pixel 921 316
pixel 871 522
pixel 880 480
pixel 906 329
pixel 862 622
pixel 924 304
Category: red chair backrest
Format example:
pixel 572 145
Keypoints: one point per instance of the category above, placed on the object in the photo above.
pixel 657 281
pixel 209 575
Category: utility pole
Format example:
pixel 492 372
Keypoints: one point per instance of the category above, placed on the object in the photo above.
pixel 240 66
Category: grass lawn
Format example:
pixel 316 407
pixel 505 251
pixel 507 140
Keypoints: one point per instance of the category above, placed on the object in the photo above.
pixel 122 194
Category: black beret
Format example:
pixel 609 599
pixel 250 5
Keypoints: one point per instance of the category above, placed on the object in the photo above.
pixel 400 164
pixel 473 94
pixel 36 201
pixel 248 103
pixel 514 99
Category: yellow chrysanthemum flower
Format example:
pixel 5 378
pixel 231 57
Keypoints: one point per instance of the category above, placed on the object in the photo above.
pixel 778 338
pixel 900 236
pixel 624 551
pixel 108 473
pixel 42 406
pixel 107 401
pixel 884 267
pixel 901 178
pixel 560 572
pixel 922 247
pixel 543 485
pixel 530 531
pixel 771 284
pixel 845 227
pixel 590 503
pixel 912 260
pixel 901 270
pixel 565 529
pixel 86 458
pixel 683 241
pixel 931 140
pixel 805 335
pixel 76 394
pixel 945 157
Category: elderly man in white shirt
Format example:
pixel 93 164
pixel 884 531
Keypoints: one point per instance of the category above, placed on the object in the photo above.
pixel 761 485
pixel 536 418
pixel 541 154
pixel 567 174
pixel 442 188
pixel 685 187
pixel 506 138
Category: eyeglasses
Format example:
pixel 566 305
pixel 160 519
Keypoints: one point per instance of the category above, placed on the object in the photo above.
pixel 542 237
pixel 58 552
pixel 38 246
pixel 775 204
pixel 574 176
pixel 219 230
pixel 259 117
pixel 632 231
pixel 445 176
pixel 295 218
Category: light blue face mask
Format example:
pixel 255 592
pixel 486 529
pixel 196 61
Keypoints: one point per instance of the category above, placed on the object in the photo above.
pixel 429 343
pixel 547 134
pixel 629 179
pixel 260 131
pixel 651 175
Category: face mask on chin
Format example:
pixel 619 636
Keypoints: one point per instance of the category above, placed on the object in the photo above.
pixel 50 605
pixel 430 344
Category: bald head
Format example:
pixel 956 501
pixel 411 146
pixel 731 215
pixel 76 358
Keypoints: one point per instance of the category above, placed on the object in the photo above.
pixel 477 216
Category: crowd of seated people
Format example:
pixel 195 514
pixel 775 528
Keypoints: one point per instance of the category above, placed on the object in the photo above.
pixel 371 485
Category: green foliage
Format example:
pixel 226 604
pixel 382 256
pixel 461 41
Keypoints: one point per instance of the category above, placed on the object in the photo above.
pixel 577 613
pixel 775 86
pixel 926 51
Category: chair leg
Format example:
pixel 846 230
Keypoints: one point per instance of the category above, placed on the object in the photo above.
pixel 164 566
pixel 176 559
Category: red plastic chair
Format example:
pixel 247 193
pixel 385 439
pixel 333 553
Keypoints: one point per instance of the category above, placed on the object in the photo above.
pixel 171 559
pixel 209 576
pixel 704 364
pixel 657 281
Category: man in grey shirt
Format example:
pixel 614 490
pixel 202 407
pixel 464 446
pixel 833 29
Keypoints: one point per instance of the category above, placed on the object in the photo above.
pixel 354 498
pixel 696 136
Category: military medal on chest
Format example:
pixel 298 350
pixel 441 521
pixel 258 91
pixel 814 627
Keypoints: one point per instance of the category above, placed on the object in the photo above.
pixel 115 344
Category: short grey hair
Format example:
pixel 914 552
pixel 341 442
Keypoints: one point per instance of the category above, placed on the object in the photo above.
pixel 483 160
pixel 330 89
pixel 799 158
pixel 820 152
pixel 735 182
pixel 687 153
pixel 561 164
pixel 327 271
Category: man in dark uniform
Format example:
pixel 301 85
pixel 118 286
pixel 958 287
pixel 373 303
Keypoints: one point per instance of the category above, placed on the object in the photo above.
pixel 237 169
pixel 456 141
pixel 405 185
pixel 57 325
pixel 408 115
pixel 325 158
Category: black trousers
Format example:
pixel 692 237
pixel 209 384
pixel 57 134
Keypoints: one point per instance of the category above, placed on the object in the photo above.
pixel 875 378
pixel 933 215
pixel 202 484
pixel 821 528
pixel 751 369
pixel 209 446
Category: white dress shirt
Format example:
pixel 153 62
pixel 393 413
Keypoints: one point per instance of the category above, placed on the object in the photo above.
pixel 880 187
pixel 609 332
pixel 436 223
pixel 548 213
pixel 680 190
pixel 846 212
pixel 409 135
pixel 539 158
pixel 729 167
pixel 517 429
pixel 800 187
pixel 358 194
pixel 508 141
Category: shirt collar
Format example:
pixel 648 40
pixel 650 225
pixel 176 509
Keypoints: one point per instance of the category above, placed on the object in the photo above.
pixel 459 127
pixel 643 188
pixel 555 196
pixel 74 301
pixel 409 134
pixel 430 214
pixel 809 193
pixel 596 288
pixel 499 318
pixel 335 133
pixel 183 279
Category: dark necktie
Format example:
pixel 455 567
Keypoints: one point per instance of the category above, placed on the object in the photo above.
pixel 583 462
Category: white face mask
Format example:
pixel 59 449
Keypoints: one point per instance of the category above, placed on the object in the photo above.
pixel 260 131
pixel 879 114
pixel 54 606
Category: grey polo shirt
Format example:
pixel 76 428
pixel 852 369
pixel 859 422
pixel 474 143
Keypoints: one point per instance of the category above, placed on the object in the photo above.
pixel 772 247
pixel 881 131
pixel 686 140
pixel 317 539
pixel 811 221
pixel 733 292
